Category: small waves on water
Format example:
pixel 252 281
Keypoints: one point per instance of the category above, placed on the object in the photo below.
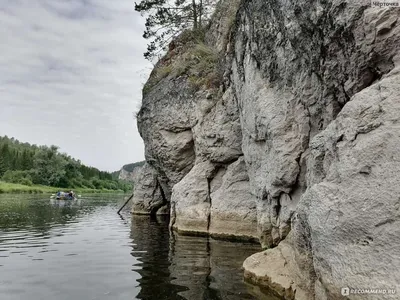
pixel 84 250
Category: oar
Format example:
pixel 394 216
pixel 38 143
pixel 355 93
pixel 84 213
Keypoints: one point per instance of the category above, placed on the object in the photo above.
pixel 125 204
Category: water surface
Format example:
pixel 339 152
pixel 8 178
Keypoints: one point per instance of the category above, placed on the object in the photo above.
pixel 85 250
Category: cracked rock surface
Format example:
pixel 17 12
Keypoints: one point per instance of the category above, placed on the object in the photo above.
pixel 297 146
pixel 193 143
pixel 148 197
pixel 325 84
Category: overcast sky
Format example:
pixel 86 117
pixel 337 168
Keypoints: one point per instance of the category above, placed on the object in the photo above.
pixel 71 73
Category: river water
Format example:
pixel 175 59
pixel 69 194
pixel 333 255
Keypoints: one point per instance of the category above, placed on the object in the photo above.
pixel 84 250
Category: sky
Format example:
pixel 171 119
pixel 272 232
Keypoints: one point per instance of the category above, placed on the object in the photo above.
pixel 71 74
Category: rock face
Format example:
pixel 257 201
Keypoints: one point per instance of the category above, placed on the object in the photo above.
pixel 193 137
pixel 346 224
pixel 148 196
pixel 352 208
pixel 233 206
pixel 295 67
pixel 127 176
pixel 215 200
pixel 297 143
pixel 130 171
pixel 325 84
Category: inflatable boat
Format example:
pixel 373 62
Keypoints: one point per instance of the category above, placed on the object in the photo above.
pixel 65 196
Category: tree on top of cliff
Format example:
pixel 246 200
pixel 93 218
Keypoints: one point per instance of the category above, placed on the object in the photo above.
pixel 165 19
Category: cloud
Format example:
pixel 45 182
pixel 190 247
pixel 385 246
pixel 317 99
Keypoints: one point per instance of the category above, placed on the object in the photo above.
pixel 71 73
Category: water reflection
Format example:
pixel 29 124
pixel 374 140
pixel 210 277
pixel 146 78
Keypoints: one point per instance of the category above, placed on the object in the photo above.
pixel 151 244
pixel 34 214
pixel 184 267
pixel 69 250
pixel 65 203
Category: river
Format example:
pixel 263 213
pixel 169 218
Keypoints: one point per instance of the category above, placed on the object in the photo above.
pixel 84 250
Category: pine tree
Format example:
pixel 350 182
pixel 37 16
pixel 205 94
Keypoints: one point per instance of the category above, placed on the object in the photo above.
pixel 3 167
pixel 165 20
pixel 13 160
pixel 25 163
pixel 17 161
pixel 6 156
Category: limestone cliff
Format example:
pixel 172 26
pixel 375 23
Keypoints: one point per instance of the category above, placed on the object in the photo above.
pixel 129 172
pixel 281 122
pixel 190 124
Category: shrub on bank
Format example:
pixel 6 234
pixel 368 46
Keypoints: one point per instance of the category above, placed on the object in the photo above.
pixel 21 177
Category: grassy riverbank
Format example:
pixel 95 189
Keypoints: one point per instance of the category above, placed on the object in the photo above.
pixel 13 188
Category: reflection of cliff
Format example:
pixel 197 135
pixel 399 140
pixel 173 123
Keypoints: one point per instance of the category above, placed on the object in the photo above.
pixel 190 266
pixel 186 267
pixel 151 243
pixel 210 268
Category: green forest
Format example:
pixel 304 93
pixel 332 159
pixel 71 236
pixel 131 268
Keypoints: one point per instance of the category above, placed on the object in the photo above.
pixel 26 164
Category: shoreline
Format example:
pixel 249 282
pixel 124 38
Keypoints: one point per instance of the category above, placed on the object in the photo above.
pixel 14 188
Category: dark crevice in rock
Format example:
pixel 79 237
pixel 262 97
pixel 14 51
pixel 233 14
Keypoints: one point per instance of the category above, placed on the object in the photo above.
pixel 346 94
pixel 340 139
pixel 375 75
pixel 162 193
pixel 298 185
pixel 384 222
pixel 158 205
pixel 223 164
pixel 155 189
pixel 278 207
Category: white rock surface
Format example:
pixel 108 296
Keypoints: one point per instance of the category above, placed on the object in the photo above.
pixel 301 138
pixel 345 226
pixel 147 195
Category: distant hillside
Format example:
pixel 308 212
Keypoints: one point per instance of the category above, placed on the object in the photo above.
pixel 26 164
pixel 131 167
pixel 128 171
